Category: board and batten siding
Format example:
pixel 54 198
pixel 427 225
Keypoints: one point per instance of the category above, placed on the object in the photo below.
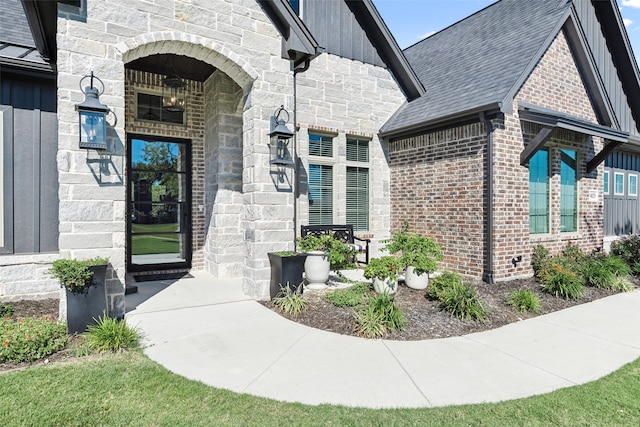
pixel 606 68
pixel 29 176
pixel 622 211
pixel 337 30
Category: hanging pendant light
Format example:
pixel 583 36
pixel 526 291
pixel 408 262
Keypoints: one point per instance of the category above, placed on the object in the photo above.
pixel 173 94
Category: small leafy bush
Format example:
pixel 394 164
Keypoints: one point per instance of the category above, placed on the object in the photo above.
pixel 348 297
pixel 74 275
pixel 378 316
pixel 560 281
pixel 462 302
pixel 6 310
pixel 31 338
pixel 635 268
pixel 383 268
pixel 291 302
pixel 438 285
pixel 539 258
pixel 524 300
pixel 111 334
pixel 628 248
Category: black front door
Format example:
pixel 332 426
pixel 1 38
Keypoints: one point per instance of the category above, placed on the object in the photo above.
pixel 159 202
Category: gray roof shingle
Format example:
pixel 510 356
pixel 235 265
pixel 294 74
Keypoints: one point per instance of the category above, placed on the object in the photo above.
pixel 478 61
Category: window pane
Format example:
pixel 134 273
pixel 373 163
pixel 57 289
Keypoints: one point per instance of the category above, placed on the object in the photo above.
pixel 539 192
pixel 568 193
pixel 619 184
pixel 150 108
pixel 320 145
pixel 357 150
pixel 606 182
pixel 633 185
pixel 358 198
pixel 320 195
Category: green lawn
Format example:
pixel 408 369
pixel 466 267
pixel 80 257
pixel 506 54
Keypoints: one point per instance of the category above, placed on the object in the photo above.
pixel 128 389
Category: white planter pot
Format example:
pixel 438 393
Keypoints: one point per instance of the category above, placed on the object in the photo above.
pixel 387 285
pixel 416 281
pixel 316 270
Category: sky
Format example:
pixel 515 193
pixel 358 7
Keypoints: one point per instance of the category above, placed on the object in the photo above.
pixel 412 20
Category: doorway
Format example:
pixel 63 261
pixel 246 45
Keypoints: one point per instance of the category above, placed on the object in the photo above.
pixel 158 203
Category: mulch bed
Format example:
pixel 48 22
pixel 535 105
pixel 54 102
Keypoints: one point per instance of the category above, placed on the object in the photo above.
pixel 425 318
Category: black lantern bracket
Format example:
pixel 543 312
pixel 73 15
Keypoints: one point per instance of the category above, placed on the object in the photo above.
pixel 93 115
pixel 279 138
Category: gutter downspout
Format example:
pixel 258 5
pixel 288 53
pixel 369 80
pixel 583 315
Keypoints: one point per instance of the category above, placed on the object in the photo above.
pixel 488 277
pixel 296 160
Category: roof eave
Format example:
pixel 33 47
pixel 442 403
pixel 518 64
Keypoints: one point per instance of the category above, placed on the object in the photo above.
pixel 42 16
pixel 298 44
pixel 471 114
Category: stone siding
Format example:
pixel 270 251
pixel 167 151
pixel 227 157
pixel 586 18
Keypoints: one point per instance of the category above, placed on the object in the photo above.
pixel 239 214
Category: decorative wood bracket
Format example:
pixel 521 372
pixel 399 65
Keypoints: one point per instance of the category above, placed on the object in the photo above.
pixel 541 138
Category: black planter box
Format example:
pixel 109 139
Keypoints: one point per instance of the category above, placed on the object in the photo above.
pixel 286 271
pixel 82 309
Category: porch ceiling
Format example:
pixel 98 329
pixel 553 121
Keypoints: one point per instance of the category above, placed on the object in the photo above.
pixel 169 63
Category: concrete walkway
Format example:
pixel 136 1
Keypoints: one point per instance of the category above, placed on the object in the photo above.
pixel 206 329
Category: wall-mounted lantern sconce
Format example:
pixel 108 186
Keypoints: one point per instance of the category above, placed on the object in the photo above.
pixel 93 116
pixel 173 94
pixel 279 139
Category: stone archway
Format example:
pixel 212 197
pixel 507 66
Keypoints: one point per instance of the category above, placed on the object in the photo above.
pixel 217 136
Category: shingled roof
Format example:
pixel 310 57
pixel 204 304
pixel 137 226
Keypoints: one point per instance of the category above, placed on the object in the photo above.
pixel 476 64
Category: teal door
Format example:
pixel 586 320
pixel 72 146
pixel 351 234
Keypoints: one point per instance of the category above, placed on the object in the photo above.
pixel 159 201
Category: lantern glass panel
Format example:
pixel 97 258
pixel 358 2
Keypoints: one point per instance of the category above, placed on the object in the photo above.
pixel 93 129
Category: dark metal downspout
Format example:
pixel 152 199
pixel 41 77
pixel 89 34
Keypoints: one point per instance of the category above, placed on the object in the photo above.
pixel 488 277
pixel 296 160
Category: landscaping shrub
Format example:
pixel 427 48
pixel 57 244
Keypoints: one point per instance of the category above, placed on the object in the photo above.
pixel 6 310
pixel 31 338
pixel 628 248
pixel 462 302
pixel 539 258
pixel 378 316
pixel 559 280
pixel 369 322
pixel 524 300
pixel 602 271
pixel 622 284
pixel 110 334
pixel 291 302
pixel 439 284
pixel 348 297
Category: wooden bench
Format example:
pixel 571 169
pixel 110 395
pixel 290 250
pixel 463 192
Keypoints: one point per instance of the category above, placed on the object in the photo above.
pixel 340 232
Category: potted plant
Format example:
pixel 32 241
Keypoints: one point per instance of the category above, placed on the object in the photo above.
pixel 418 254
pixel 324 253
pixel 384 273
pixel 317 264
pixel 419 258
pixel 286 272
pixel 84 283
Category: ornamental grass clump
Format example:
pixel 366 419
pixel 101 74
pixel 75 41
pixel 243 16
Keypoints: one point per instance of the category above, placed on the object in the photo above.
pixel 111 334
pixel 380 315
pixel 605 272
pixel 523 300
pixel 290 302
pixel 31 338
pixel 559 281
pixel 456 297
pixel 348 297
